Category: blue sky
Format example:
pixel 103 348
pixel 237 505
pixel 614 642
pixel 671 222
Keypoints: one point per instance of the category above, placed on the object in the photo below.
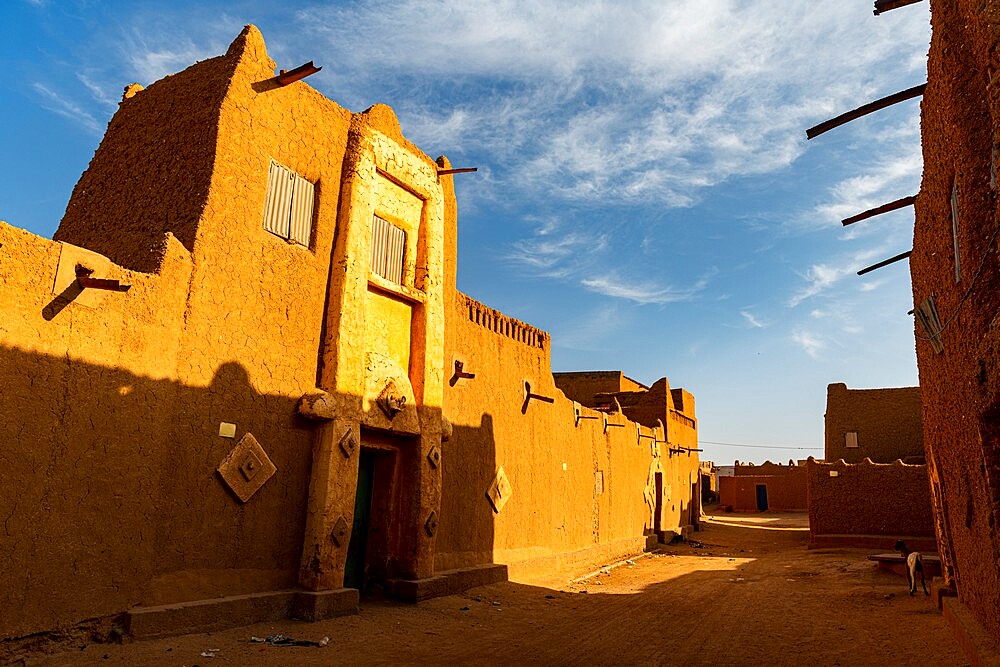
pixel 645 190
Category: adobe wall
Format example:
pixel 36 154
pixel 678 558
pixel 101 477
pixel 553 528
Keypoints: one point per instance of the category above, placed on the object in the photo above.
pixel 557 505
pixel 960 127
pixel 581 386
pixel 887 422
pixel 785 493
pixel 766 468
pixel 868 504
pixel 228 330
pixel 88 405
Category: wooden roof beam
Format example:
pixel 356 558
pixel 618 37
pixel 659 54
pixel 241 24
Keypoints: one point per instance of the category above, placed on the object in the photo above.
pixel 885 262
pixel 866 109
pixel 286 77
pixel 886 5
pixel 879 210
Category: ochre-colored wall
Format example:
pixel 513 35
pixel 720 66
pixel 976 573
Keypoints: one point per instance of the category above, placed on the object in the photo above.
pixel 227 330
pixel 786 492
pixel 868 504
pixel 960 127
pixel 582 386
pixel 887 422
pixel 766 468
pixel 552 510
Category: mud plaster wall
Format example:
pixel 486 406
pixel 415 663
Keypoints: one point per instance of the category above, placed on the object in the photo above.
pixel 784 492
pixel 583 385
pixel 83 474
pixel 551 510
pixel 766 468
pixel 233 337
pixel 960 127
pixel 887 422
pixel 869 499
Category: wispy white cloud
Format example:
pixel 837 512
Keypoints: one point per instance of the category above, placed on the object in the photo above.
pixel 751 320
pixel 680 96
pixel 67 108
pixel 98 91
pixel 812 344
pixel 891 177
pixel 819 278
pixel 555 255
pixel 615 286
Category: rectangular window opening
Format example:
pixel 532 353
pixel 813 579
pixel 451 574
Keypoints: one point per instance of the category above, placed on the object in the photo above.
pixel 851 439
pixel 288 208
pixel 388 250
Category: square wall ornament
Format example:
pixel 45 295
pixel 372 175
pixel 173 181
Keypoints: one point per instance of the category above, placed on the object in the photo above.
pixel 246 468
pixel 500 490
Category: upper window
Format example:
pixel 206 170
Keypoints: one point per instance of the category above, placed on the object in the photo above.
pixel 851 439
pixel 388 250
pixel 288 209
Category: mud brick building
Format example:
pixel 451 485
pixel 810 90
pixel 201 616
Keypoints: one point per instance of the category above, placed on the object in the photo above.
pixel 291 402
pixel 878 424
pixel 768 486
pixel 956 293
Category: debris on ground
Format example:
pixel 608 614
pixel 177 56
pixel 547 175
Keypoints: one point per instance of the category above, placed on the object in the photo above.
pixel 630 563
pixel 282 640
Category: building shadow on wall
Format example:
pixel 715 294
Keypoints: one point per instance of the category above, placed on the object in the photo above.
pixel 466 536
pixel 114 499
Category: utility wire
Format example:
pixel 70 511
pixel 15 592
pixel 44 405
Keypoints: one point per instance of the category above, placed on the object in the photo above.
pixel 739 444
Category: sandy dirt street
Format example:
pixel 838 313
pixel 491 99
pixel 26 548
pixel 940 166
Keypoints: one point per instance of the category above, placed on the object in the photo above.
pixel 748 592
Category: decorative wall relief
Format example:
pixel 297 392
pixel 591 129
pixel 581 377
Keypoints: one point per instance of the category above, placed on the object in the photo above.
pixel 500 490
pixel 246 468
pixel 389 403
pixel 391 400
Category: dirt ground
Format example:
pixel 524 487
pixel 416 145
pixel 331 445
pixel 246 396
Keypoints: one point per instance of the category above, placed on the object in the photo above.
pixel 748 592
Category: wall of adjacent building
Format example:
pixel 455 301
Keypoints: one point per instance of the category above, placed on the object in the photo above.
pixel 887 423
pixel 960 125
pixel 869 505
pixel 785 492
pixel 576 487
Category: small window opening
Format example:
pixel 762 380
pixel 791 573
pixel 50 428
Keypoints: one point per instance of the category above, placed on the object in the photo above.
pixel 851 440
pixel 288 208
pixel 388 250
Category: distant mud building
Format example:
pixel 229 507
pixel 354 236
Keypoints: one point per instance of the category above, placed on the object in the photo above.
pixel 878 424
pixel 291 402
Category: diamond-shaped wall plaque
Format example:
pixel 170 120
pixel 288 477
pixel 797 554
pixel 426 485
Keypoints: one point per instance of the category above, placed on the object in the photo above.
pixel 339 533
pixel 434 456
pixel 348 443
pixel 431 525
pixel 500 490
pixel 246 468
